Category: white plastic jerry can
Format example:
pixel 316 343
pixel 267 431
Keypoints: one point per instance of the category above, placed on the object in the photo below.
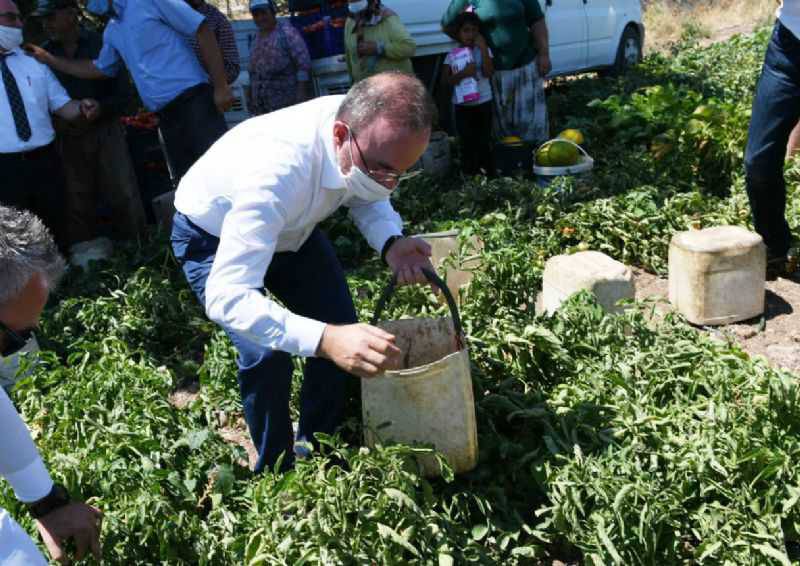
pixel 717 275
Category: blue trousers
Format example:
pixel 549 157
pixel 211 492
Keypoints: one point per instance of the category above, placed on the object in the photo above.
pixel 309 282
pixel 776 110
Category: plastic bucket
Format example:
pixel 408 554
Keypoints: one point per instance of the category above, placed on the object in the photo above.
pixel 513 159
pixel 430 400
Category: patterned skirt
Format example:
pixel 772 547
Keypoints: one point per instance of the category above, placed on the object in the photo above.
pixel 520 108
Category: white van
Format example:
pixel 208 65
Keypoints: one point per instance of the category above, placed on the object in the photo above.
pixel 585 35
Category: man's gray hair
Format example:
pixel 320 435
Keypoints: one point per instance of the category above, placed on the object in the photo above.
pixel 400 98
pixel 26 248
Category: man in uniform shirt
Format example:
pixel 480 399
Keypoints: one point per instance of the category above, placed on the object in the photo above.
pixel 247 219
pixel 95 155
pixel 151 38
pixel 776 110
pixel 226 39
pixel 30 266
pixel 29 94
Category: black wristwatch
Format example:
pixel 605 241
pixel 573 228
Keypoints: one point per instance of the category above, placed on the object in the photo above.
pixel 58 497
pixel 387 245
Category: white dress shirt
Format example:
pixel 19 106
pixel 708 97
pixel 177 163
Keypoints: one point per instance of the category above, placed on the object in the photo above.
pixel 42 95
pixel 262 188
pixel 20 463
pixel 789 15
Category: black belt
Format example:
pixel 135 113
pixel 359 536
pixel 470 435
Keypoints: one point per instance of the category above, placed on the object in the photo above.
pixel 30 155
pixel 183 97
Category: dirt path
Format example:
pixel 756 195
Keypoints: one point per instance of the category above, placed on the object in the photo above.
pixel 777 338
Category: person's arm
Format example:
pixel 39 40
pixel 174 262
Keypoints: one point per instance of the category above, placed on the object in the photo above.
pixel 301 58
pixel 534 18
pixel 211 54
pixel 23 468
pixel 487 66
pixel 378 222
pixel 230 53
pixel 398 44
pixel 541 41
pixel 81 68
pixel 186 21
pixel 454 78
pixel 234 298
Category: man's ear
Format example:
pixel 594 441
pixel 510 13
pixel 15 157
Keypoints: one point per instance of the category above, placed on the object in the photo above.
pixel 340 133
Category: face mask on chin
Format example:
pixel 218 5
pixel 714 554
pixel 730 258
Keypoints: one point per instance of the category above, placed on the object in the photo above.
pixel 10 38
pixel 10 366
pixel 361 185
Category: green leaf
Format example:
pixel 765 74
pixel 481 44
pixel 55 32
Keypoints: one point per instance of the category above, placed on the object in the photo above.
pixel 480 531
pixel 387 532
pixel 774 553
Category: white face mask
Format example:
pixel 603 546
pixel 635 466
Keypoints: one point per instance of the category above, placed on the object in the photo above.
pixel 10 366
pixel 361 185
pixel 10 38
pixel 356 7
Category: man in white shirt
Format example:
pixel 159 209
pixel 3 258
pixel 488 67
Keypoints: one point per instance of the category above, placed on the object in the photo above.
pixel 29 94
pixel 29 268
pixel 776 110
pixel 247 219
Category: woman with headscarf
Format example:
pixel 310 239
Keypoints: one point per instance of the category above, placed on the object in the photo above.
pixel 375 40
pixel 280 65
pixel 516 32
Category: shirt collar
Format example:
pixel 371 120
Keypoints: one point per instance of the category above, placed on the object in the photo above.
pixel 119 8
pixel 331 176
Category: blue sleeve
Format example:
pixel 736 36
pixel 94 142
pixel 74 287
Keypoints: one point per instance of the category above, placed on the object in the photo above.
pixel 108 60
pixel 179 16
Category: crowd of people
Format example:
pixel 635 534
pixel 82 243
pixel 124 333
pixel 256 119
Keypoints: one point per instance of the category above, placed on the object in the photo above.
pixel 249 201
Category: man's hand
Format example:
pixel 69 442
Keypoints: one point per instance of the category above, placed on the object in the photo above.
pixel 41 55
pixel 543 64
pixel 77 521
pixel 366 48
pixel 90 109
pixel 360 349
pixel 407 257
pixel 223 98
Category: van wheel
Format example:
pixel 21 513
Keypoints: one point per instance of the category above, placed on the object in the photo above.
pixel 629 53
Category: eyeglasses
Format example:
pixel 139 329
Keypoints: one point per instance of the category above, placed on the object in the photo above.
pixel 387 178
pixel 16 340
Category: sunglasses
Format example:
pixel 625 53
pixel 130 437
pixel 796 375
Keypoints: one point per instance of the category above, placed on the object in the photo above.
pixel 15 340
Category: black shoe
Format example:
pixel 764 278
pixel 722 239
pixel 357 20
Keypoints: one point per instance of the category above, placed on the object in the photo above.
pixel 782 265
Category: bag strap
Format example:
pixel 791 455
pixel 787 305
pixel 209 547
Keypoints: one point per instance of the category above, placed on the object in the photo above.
pixel 434 280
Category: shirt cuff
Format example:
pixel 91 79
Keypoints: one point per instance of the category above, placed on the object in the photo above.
pixel 32 482
pixel 304 334
pixel 382 231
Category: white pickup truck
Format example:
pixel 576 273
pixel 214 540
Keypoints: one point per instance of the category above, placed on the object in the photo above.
pixel 585 35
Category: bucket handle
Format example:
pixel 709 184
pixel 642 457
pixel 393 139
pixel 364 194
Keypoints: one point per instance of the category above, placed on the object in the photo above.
pixel 548 142
pixel 434 280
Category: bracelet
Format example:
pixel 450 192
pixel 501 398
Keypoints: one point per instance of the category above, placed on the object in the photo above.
pixel 58 497
pixel 391 240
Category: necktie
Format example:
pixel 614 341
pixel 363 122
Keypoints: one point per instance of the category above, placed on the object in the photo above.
pixel 15 102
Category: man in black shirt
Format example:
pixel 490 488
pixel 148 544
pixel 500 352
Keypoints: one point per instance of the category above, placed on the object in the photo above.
pixel 97 164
